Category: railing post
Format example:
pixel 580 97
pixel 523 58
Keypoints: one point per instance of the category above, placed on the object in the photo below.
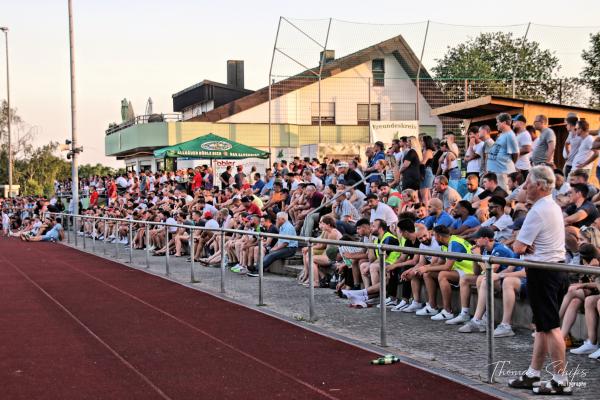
pixel 192 264
pixel 66 217
pixel 490 319
pixel 93 236
pixel 105 239
pixel 382 297
pixel 117 241
pixel 167 269
pixel 260 272
pixel 311 284
pixel 130 234
pixel 222 262
pixel 75 230
pixel 147 245
pixel 83 236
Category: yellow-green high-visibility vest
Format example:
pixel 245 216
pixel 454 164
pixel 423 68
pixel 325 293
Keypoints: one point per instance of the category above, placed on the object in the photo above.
pixel 464 265
pixel 392 256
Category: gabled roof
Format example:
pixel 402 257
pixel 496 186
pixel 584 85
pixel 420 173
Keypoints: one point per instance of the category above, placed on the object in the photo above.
pixel 396 46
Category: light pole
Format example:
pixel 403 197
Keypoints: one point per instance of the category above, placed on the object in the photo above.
pixel 74 147
pixel 10 163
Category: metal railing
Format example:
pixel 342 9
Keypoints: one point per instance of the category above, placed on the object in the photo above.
pixel 310 242
pixel 144 119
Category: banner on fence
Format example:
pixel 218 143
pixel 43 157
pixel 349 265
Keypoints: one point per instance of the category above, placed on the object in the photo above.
pixel 386 131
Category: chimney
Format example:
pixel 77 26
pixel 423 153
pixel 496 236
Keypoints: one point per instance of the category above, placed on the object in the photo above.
pixel 235 73
pixel 329 56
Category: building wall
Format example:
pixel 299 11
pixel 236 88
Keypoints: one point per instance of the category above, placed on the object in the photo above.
pixel 197 109
pixel 346 90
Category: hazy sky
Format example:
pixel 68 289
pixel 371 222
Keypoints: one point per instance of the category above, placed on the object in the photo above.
pixel 139 49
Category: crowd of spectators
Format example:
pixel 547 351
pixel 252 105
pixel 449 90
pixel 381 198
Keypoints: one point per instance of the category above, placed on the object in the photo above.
pixel 420 192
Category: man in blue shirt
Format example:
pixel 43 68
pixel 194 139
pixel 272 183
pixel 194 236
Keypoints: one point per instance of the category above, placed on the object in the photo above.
pixel 437 215
pixel 504 153
pixel 465 220
pixel 375 154
pixel 285 248
pixel 511 279
pixel 258 184
pixel 54 232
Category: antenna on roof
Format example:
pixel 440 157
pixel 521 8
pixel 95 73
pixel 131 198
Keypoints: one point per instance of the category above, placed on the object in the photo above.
pixel 149 106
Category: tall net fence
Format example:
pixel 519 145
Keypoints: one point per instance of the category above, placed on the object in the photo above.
pixel 353 90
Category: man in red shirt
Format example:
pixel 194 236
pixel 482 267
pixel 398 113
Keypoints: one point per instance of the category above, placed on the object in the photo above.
pixel 251 208
pixel 93 197
pixel 197 181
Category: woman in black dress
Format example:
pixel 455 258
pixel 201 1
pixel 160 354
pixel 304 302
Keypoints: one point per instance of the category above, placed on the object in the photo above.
pixel 410 169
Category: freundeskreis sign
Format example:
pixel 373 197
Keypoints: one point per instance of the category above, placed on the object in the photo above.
pixel 386 131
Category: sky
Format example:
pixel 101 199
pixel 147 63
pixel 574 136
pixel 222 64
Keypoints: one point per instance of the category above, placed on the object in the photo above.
pixel 139 49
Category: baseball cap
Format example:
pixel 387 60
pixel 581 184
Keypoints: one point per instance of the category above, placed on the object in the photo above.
pixel 517 224
pixel 207 214
pixel 520 117
pixel 485 232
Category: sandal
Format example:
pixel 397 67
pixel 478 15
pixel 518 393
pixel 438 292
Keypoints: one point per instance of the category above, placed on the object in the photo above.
pixel 553 388
pixel 524 382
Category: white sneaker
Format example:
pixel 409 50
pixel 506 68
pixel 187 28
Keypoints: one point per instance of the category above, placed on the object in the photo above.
pixel 389 302
pixel 400 306
pixel 414 306
pixel 427 311
pixel 586 348
pixel 442 316
pixel 503 330
pixel 373 301
pixel 462 317
pixel 472 326
pixel 595 355
pixel 111 236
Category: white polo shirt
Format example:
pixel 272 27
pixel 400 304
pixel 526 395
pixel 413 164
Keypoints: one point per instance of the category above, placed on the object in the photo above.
pixel 544 227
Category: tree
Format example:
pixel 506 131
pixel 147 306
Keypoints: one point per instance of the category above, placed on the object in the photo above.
pixel 88 170
pixel 591 71
pixel 488 63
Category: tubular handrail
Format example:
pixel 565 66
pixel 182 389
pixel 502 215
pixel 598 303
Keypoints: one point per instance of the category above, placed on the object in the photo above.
pixel 337 195
pixel 370 246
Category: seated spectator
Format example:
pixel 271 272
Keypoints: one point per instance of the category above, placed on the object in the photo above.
pixel 465 222
pixel 499 220
pixel 473 189
pixel 284 248
pixel 324 261
pixel 445 273
pixel 437 215
pixel 491 188
pixel 50 231
pixel 446 194
pixel 511 279
pixel 380 210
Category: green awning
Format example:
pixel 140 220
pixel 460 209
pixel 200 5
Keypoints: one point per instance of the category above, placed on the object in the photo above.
pixel 211 147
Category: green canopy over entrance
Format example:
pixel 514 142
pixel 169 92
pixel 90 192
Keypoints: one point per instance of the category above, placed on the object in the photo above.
pixel 211 147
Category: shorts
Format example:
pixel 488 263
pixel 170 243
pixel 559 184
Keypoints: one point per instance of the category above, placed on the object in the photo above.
pixel 49 238
pixel 427 181
pixel 546 290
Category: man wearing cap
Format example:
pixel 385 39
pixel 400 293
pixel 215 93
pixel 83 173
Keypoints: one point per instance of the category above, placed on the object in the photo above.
pixel 505 151
pixel 510 278
pixel 523 163
pixel 542 238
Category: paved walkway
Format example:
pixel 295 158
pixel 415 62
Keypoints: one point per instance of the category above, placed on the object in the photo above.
pixel 431 344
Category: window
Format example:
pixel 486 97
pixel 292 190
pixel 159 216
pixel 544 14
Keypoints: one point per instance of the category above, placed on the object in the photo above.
pixel 327 113
pixel 378 68
pixel 362 113
pixel 403 112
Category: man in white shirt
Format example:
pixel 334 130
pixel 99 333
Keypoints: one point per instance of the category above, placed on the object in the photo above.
pixel 380 210
pixel 474 153
pixel 523 164
pixel 542 238
pixel 572 143
pixel 585 156
pixel 499 220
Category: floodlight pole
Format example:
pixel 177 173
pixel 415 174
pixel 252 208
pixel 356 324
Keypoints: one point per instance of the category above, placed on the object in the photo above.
pixel 321 73
pixel 419 74
pixel 8 117
pixel 74 144
pixel 270 95
pixel 518 61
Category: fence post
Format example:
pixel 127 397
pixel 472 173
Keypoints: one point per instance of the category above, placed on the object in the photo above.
pixel 66 217
pixel 311 284
pixel 490 319
pixel 75 230
pixel 466 89
pixel 93 235
pixel 260 272
pixel 168 249
pixel 147 245
pixel 83 236
pixel 105 239
pixel 192 264
pixel 222 262
pixel 382 297
pixel 117 240
pixel 130 235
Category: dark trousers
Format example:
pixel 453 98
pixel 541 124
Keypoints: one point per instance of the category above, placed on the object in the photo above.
pixel 280 254
pixel 394 281
pixel 345 228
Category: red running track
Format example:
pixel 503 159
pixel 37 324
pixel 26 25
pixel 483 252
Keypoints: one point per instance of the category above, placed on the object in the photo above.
pixel 76 326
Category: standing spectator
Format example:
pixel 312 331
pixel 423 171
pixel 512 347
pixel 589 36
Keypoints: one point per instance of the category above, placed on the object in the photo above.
pixel 474 153
pixel 93 197
pixel 572 142
pixel 523 163
pixel 488 142
pixel 411 162
pixel 374 154
pixel 503 154
pixel 225 178
pixel 586 155
pixel 240 176
pixel 546 143
pixel 426 168
pixel 542 238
